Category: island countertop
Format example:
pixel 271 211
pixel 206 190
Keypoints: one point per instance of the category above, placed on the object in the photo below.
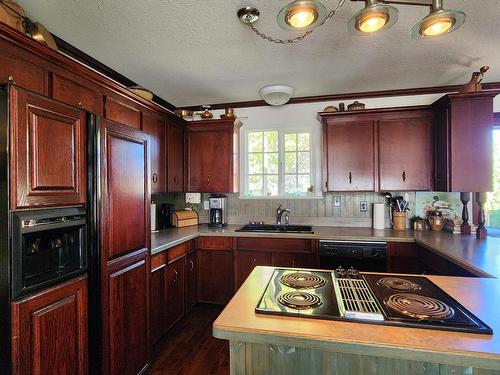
pixel 239 323
pixel 480 257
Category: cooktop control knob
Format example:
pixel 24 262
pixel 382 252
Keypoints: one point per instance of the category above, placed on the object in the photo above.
pixel 340 273
pixel 353 273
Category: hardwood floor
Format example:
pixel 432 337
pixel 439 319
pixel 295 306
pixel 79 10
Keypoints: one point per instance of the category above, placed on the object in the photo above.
pixel 189 347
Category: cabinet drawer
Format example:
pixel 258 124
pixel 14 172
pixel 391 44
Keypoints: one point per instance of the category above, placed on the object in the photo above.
pixel 177 251
pixel 23 73
pixel 124 112
pixel 289 245
pixel 158 260
pixel 76 93
pixel 215 243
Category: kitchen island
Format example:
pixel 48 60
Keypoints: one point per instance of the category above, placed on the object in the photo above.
pixel 267 344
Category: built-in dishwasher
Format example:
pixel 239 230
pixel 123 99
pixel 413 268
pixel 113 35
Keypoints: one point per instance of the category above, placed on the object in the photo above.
pixel 361 255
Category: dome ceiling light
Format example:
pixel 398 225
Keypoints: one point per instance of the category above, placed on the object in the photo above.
pixel 276 94
pixel 376 16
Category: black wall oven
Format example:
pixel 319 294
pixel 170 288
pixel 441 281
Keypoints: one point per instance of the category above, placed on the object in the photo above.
pixel 48 247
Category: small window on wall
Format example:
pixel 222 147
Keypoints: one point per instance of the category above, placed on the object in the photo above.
pixel 278 164
pixel 492 206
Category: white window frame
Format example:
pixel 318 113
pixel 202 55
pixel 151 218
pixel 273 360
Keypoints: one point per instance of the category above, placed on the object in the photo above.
pixel 316 194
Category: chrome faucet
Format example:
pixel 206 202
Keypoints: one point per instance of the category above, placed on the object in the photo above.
pixel 279 214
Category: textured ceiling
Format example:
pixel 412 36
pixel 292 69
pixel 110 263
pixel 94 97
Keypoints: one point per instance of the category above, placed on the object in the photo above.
pixel 196 51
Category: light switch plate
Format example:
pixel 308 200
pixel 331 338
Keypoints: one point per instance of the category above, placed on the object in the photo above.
pixel 363 206
pixel 194 198
pixel 205 205
pixel 337 201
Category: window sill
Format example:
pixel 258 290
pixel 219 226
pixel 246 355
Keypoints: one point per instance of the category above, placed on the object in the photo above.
pixel 306 197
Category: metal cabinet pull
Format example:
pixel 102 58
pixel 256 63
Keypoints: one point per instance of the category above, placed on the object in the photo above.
pixel 208 179
pixel 12 80
pixel 254 260
pixel 191 263
pixel 176 276
pixel 176 179
pixel 155 178
pixel 293 263
pixel 350 177
pixel 404 176
pixel 80 104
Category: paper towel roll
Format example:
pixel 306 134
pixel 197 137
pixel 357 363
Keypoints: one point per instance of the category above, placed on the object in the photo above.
pixel 379 215
pixel 153 218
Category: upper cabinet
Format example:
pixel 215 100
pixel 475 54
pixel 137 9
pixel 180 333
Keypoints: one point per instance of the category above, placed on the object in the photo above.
pixel 405 152
pixel 122 110
pixel 48 152
pixel 175 156
pixel 212 156
pixel 28 74
pixel 154 125
pixel 464 142
pixel 379 149
pixel 77 92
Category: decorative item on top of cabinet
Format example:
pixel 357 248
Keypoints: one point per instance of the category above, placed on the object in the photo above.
pixel 474 85
pixel 12 14
pixel 356 106
pixel 464 142
pixel 154 125
pixel 213 156
pixel 175 156
pixel 49 331
pixel 48 165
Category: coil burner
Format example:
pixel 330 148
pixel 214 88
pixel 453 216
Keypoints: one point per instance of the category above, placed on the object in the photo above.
pixel 397 283
pixel 302 280
pixel 420 307
pixel 299 300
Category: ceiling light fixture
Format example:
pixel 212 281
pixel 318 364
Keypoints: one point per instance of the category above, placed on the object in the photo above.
pixel 439 21
pixel 374 17
pixel 276 94
pixel 302 15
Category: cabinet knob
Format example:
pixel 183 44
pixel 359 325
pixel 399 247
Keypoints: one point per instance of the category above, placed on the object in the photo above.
pixel 176 276
pixel 404 176
pixel 208 179
pixel 155 178
pixel 176 179
pixel 191 265
pixel 12 80
pixel 254 260
pixel 80 104
pixel 350 177
pixel 293 263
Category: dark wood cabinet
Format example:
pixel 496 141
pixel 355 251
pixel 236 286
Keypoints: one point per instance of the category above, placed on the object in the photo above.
pixel 464 142
pixel 155 127
pixel 124 242
pixel 49 331
pixel 48 152
pixel 212 156
pixel 175 281
pixel 295 260
pixel 77 92
pixel 26 74
pixel 215 287
pixel 191 281
pixel 175 157
pixel 121 110
pixel 403 257
pixel 405 152
pixel 246 261
pixel 157 302
pixel 435 264
pixel 349 155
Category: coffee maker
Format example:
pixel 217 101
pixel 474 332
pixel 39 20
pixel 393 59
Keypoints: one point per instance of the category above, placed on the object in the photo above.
pixel 218 210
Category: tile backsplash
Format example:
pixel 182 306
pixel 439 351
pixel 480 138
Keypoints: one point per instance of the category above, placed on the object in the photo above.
pixel 304 211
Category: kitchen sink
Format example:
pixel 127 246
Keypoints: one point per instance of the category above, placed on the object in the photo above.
pixel 273 228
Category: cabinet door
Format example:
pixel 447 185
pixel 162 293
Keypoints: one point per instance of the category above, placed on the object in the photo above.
pixel 175 158
pixel 215 287
pixel 295 260
pixel 28 75
pixel 405 153
pixel 49 331
pixel 208 164
pixel 121 110
pixel 246 261
pixel 48 147
pixel 175 281
pixel 77 92
pixel 126 315
pixel 155 127
pixel 190 281
pixel 124 189
pixel 350 156
pixel 157 303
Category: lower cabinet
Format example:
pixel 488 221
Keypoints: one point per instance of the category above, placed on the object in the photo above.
pixel 246 261
pixel 434 264
pixel 175 281
pixel 296 260
pixel 49 331
pixel 157 298
pixel 191 281
pixel 403 257
pixel 215 275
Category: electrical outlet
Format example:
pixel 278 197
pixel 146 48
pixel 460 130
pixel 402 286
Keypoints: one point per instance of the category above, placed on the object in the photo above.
pixel 194 198
pixel 205 205
pixel 337 201
pixel 363 206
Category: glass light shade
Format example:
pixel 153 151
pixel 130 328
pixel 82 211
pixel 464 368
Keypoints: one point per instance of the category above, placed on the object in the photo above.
pixel 373 18
pixel 302 15
pixel 437 23
pixel 276 94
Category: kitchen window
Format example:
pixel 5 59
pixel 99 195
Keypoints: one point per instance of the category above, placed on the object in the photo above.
pixel 492 206
pixel 278 163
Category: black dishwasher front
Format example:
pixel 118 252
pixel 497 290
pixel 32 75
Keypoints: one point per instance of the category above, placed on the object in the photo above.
pixel 361 255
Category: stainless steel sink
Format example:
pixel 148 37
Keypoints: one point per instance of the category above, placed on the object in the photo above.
pixel 273 228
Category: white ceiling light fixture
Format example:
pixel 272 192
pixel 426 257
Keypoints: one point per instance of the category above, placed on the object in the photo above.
pixel 276 94
pixel 439 21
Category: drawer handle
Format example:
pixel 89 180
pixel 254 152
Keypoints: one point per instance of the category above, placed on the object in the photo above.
pixel 208 179
pixel 176 276
pixel 191 265
pixel 254 260
pixel 404 176
pixel 293 263
pixel 12 80
pixel 350 177
pixel 155 178
pixel 176 179
pixel 80 104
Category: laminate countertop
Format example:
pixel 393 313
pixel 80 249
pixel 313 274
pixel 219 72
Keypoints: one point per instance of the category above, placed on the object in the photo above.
pixel 239 323
pixel 480 257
